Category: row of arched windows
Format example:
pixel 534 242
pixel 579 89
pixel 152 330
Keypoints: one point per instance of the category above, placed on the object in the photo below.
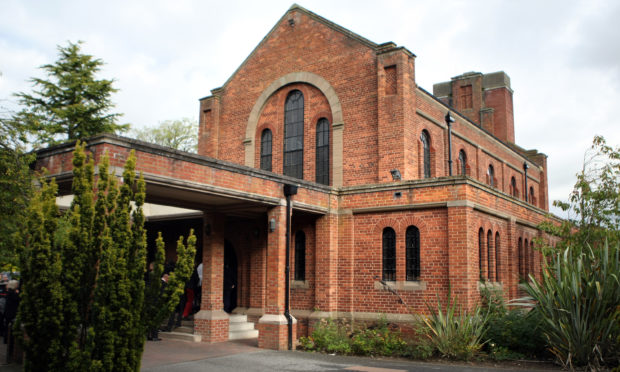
pixel 412 254
pixel 526 258
pixel 294 142
pixel 489 257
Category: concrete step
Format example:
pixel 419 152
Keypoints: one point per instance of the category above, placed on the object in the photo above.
pixel 237 318
pixel 242 335
pixel 180 336
pixel 237 327
pixel 184 329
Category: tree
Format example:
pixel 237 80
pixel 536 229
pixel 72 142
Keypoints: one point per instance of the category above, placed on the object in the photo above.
pixel 178 134
pixel 15 187
pixel 71 102
pixel 83 301
pixel 594 203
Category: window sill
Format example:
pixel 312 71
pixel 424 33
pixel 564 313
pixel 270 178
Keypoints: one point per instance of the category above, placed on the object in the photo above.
pixel 299 284
pixel 407 286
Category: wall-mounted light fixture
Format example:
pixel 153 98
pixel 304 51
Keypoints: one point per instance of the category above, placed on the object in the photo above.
pixel 395 175
pixel 272 225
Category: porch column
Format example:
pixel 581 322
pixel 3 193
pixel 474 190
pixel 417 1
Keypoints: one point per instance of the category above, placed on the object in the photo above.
pixel 463 272
pixel 273 326
pixel 326 268
pixel 211 322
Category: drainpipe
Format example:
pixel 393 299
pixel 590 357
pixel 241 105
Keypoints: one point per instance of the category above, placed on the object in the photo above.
pixel 525 170
pixel 289 190
pixel 449 120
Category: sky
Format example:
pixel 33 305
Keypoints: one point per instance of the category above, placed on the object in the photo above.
pixel 563 57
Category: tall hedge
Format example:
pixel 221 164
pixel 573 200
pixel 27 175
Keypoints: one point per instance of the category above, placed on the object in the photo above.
pixel 83 301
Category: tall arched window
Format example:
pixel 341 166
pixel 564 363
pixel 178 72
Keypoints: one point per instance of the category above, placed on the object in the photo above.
pixel 521 258
pixel 294 135
pixel 412 243
pixel 531 263
pixel 497 257
pixel 389 254
pixel 490 254
pixel 426 143
pixel 265 150
pixel 462 163
pixel 532 200
pixel 491 175
pixel 480 252
pixel 526 259
pixel 513 187
pixel 322 151
pixel 300 255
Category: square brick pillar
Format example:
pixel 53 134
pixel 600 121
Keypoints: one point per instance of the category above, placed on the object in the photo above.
pixel 463 273
pixel 326 268
pixel 273 325
pixel 211 322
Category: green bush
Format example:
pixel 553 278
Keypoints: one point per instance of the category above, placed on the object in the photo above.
pixel 517 331
pixel 329 336
pixel 579 302
pixel 454 333
pixel 378 340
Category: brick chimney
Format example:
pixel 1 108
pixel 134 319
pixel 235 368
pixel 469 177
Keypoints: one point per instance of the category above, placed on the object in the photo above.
pixel 485 99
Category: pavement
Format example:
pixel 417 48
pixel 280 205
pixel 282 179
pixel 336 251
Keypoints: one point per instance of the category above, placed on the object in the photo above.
pixel 183 356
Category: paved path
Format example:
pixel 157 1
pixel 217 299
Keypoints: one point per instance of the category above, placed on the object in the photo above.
pixel 245 356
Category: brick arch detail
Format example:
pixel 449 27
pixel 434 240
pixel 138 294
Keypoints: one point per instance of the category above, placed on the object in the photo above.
pixel 337 118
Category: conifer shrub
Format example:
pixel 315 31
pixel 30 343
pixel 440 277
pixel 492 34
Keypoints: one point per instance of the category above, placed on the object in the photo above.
pixel 83 302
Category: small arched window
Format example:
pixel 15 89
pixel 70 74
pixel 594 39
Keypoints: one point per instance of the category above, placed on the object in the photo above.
pixel 480 252
pixel 426 143
pixel 412 242
pixel 497 257
pixel 462 163
pixel 491 175
pixel 265 150
pixel 389 254
pixel 490 254
pixel 520 253
pixel 300 255
pixel 322 151
pixel 294 135
pixel 513 187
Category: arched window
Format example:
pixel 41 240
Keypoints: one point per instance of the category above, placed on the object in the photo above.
pixel 491 176
pixel 497 257
pixel 526 259
pixel 265 150
pixel 322 151
pixel 426 143
pixel 389 254
pixel 531 263
pixel 532 200
pixel 480 252
pixel 300 255
pixel 513 187
pixel 520 253
pixel 294 135
pixel 462 163
pixel 490 267
pixel 412 253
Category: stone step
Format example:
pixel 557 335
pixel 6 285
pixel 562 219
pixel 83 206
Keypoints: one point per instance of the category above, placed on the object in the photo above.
pixel 242 335
pixel 180 336
pixel 237 318
pixel 184 329
pixel 237 327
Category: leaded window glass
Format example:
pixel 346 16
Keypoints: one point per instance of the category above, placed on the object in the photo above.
pixel 265 150
pixel 300 255
pixel 489 251
pixel 497 257
pixel 389 254
pixel 491 175
pixel 412 241
pixel 427 153
pixel 322 151
pixel 463 163
pixel 294 135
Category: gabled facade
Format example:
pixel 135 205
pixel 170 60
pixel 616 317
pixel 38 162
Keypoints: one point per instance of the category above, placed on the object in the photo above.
pixel 342 118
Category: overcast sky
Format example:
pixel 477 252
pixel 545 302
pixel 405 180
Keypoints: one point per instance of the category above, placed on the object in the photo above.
pixel 563 57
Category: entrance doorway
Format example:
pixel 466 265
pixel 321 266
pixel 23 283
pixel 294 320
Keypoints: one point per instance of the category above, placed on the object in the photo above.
pixel 230 277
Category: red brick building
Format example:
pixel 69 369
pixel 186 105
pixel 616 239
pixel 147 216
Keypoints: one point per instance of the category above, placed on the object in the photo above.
pixel 342 118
